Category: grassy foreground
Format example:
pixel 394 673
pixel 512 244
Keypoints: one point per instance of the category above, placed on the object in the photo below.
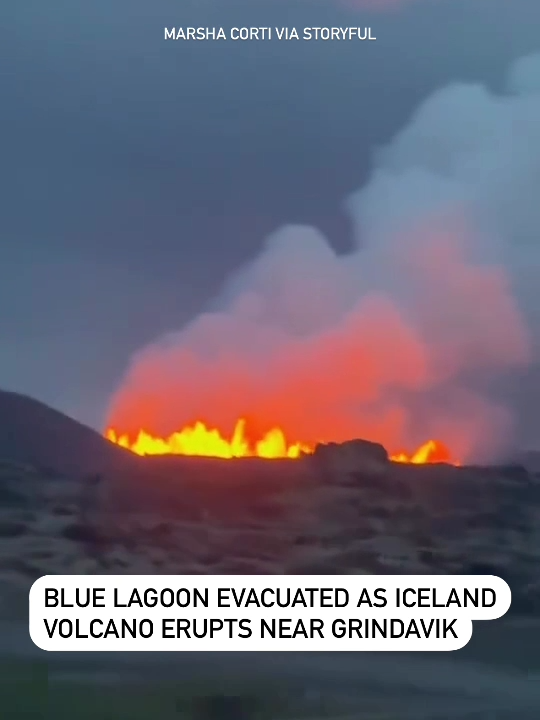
pixel 27 692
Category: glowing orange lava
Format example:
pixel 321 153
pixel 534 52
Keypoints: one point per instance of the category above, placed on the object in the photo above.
pixel 200 440
pixel 433 451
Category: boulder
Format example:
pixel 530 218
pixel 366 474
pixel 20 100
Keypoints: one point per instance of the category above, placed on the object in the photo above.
pixel 349 461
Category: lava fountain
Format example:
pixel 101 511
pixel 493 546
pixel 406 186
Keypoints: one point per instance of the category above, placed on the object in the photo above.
pixel 199 440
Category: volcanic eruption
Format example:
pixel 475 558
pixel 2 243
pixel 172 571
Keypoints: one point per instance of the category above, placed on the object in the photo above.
pixel 398 341
pixel 202 441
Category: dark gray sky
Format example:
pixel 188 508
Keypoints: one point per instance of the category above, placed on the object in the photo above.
pixel 136 173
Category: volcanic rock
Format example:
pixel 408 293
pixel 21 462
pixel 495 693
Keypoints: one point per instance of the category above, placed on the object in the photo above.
pixel 342 463
pixel 345 509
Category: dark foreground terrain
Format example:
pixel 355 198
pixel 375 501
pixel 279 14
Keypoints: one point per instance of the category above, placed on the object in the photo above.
pixel 70 502
pixel 483 681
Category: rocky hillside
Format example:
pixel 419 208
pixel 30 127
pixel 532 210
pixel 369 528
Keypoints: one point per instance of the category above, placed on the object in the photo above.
pixel 32 433
pixel 346 509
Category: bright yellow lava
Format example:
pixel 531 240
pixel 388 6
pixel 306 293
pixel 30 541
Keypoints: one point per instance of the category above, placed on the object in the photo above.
pixel 200 440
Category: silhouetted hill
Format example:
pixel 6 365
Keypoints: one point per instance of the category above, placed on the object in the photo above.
pixel 34 434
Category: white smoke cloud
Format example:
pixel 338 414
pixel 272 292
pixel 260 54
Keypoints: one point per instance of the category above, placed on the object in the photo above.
pixel 401 339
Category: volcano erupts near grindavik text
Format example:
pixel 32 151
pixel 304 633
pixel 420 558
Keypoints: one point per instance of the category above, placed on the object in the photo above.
pixel 400 341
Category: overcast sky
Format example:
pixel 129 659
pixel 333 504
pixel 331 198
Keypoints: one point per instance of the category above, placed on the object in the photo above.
pixel 137 173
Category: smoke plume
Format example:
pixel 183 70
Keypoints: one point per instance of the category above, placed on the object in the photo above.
pixel 404 338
